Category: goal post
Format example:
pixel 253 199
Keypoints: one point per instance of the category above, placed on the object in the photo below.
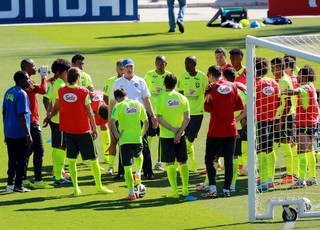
pixel 306 48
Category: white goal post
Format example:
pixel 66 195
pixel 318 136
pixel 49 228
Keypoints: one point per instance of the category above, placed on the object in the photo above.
pixel 300 47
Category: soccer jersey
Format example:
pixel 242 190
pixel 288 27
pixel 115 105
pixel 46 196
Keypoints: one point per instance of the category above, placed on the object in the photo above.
pixel 241 75
pixel 136 88
pixel 73 100
pixel 85 80
pixel 171 106
pixel 96 102
pixel 243 93
pixel 267 94
pixel 284 83
pixel 307 107
pixel 50 83
pixel 193 88
pixel 155 84
pixel 59 83
pixel 225 100
pixel 15 102
pixel 108 86
pixel 129 113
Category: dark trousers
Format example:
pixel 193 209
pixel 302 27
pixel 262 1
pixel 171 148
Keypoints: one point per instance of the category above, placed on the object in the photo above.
pixel 215 146
pixel 17 160
pixel 38 152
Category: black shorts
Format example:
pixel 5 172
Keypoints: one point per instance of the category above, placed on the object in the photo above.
pixel 194 126
pixel 265 136
pixel 82 143
pixel 151 131
pixel 128 152
pixel 238 151
pixel 308 130
pixel 170 152
pixel 58 138
pixel 285 134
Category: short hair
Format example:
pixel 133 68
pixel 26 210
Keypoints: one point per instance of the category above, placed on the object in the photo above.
pixel 161 58
pixel 62 65
pixel 19 75
pixel 230 74
pixel 221 50
pixel 170 81
pixel 77 57
pixel 73 74
pixel 103 112
pixel 289 62
pixel 25 63
pixel 278 61
pixel 119 62
pixel 215 71
pixel 261 66
pixel 236 51
pixel 120 93
pixel 291 56
pixel 309 72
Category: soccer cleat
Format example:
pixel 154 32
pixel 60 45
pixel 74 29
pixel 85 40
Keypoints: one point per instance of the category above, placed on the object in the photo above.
pixel 62 181
pixel 130 198
pixel 243 173
pixel 271 184
pixel 77 191
pixel 203 172
pixel 159 167
pixel 287 180
pixel 233 188
pixel 185 192
pixel 226 193
pixel 65 175
pixel 150 176
pixel 312 182
pixel 42 185
pixel 209 195
pixel 9 188
pixel 110 171
pixel 180 25
pixel 104 190
pixel 171 31
pixel 27 184
pixel 20 189
pixel 299 184
pixel 172 195
pixel 202 187
pixel 263 187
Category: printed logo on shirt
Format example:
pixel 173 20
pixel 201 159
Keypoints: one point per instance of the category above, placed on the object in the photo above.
pixel 158 90
pixel 173 102
pixel 97 98
pixel 70 97
pixel 131 110
pixel 224 89
pixel 268 90
pixel 136 85
pixel 191 92
pixel 197 85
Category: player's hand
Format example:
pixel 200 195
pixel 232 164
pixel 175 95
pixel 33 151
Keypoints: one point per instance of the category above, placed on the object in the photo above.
pixel 45 122
pixel 175 130
pixel 94 134
pixel 208 98
pixel 154 122
pixel 177 137
pixel 243 122
pixel 29 141
pixel 44 71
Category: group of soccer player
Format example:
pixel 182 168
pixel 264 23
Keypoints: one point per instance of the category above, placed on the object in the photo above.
pixel 136 110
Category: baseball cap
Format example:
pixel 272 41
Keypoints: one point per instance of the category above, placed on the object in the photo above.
pixel 127 61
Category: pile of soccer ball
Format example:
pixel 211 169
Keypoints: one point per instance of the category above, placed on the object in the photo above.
pixel 140 190
pixel 254 24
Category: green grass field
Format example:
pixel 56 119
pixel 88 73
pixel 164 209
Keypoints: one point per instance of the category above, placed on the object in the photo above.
pixel 103 45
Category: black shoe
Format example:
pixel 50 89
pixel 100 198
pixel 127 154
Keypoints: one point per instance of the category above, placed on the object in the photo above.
pixel 171 31
pixel 118 177
pixel 180 25
pixel 150 176
pixel 20 189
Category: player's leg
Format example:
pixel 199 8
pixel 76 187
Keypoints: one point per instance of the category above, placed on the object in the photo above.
pixel 237 154
pixel 21 152
pixel 112 152
pixel 182 157
pixel 105 138
pixel 262 155
pixel 229 145
pixel 244 151
pixel 147 162
pixel 172 21
pixel 138 161
pixel 311 157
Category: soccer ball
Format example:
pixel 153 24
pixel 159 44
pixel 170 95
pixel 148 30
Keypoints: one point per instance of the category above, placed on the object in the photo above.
pixel 140 190
pixel 245 22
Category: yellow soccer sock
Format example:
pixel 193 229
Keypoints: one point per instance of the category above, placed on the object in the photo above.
pixel 138 161
pixel 58 163
pixel 206 179
pixel 111 160
pixel 235 170
pixel 296 162
pixel 244 150
pixel 74 174
pixel 263 167
pixel 105 138
pixel 288 158
pixel 96 172
pixel 191 158
pixel 128 176
pixel 303 165
pixel 271 159
pixel 172 177
pixel 184 174
pixel 311 164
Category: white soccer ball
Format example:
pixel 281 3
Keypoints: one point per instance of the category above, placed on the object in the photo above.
pixel 140 190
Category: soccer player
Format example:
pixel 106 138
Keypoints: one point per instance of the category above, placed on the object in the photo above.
pixel 137 89
pixel 129 114
pixel 80 131
pixel 110 155
pixel 267 92
pixel 154 79
pixel 222 100
pixel 29 66
pixel 221 58
pixel 58 137
pixel 85 79
pixel 230 75
pixel 284 118
pixel 16 123
pixel 172 22
pixel 236 56
pixel 173 112
pixel 193 84
pixel 306 123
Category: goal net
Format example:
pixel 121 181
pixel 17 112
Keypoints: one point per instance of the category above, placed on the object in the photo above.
pixel 282 125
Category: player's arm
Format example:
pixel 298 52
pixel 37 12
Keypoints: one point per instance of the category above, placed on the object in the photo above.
pixel 23 121
pixel 242 115
pixel 110 108
pixel 166 125
pixel 106 99
pixel 291 92
pixel 147 104
pixel 113 128
pixel 46 102
pixel 184 125
pixel 92 121
pixel 144 127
